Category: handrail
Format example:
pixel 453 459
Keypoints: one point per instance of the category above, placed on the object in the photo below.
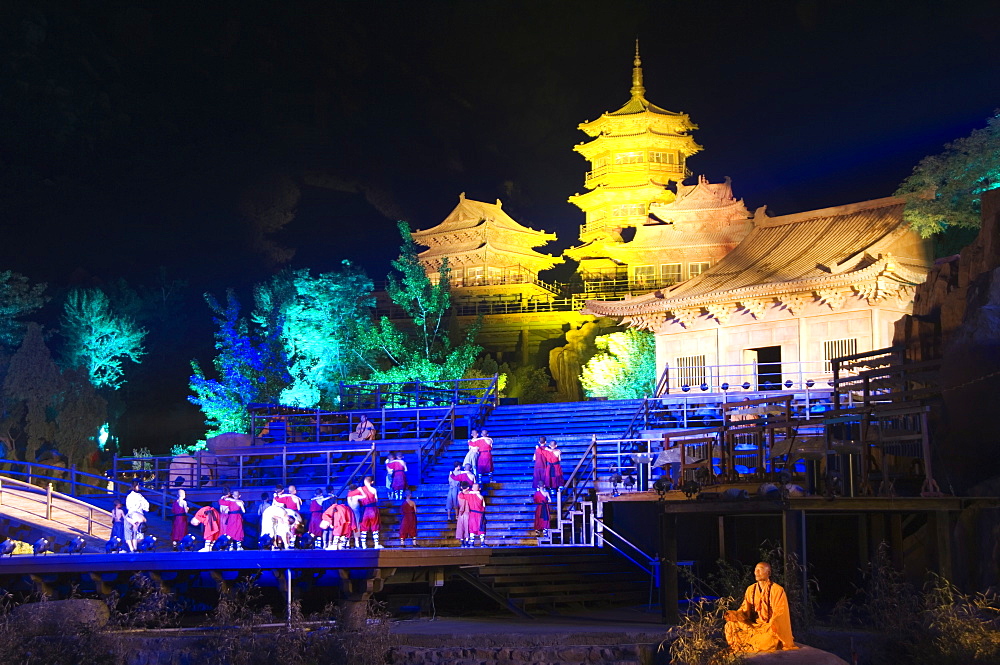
pixel 30 490
pixel 438 440
pixel 652 564
pixel 354 474
pixel 643 410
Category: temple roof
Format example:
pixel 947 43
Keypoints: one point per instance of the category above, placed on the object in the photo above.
pixel 703 195
pixel 818 249
pixel 475 230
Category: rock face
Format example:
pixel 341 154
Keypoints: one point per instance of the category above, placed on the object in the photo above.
pixel 956 318
pixel 59 617
pixel 802 656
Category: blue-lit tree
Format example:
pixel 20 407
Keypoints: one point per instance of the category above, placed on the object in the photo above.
pixel 99 340
pixel 623 368
pixel 429 352
pixel 323 320
pixel 250 367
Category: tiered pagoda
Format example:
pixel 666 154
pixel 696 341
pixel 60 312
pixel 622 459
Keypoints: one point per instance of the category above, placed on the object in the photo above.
pixel 487 252
pixel 636 152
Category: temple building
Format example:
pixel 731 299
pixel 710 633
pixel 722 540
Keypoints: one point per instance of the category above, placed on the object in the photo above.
pixel 797 291
pixel 494 273
pixel 636 153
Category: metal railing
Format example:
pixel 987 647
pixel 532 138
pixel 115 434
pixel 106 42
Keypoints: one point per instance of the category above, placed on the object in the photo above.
pixel 751 377
pixel 44 497
pixel 418 394
pixel 582 479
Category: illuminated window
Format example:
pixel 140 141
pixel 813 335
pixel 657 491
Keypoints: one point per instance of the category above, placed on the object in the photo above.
pixel 670 273
pixel 695 269
pixel 663 157
pixel 689 371
pixel 457 275
pixel 494 275
pixel 836 348
pixel 628 158
pixel 600 162
pixel 645 275
pixel 628 210
pixel 474 276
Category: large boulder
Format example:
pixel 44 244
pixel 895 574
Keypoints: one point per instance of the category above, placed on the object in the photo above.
pixel 60 617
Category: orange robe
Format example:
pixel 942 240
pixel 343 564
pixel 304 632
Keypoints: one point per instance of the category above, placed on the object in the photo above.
pixel 771 627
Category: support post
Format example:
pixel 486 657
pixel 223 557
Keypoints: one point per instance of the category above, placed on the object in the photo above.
pixel 669 596
pixel 793 535
pixel 942 543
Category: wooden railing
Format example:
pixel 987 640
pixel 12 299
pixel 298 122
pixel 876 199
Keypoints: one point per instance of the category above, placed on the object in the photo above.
pixel 44 497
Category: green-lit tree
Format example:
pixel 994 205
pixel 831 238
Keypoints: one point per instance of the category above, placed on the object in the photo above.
pixel 323 320
pixel 32 391
pixel 623 368
pixel 18 298
pixel 429 352
pixel 99 340
pixel 250 366
pixel 953 181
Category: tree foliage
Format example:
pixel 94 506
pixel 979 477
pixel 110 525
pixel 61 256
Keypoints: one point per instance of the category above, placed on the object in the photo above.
pixel 955 180
pixel 430 351
pixel 323 323
pixel 99 340
pixel 32 390
pixel 250 367
pixel 18 298
pixel 623 368
pixel 81 413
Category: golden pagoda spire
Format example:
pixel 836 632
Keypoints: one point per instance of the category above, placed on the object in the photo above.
pixel 638 90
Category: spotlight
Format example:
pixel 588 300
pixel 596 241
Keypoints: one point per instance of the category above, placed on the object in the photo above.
pixel 8 547
pixel 629 482
pixel 266 542
pixel 304 541
pixel 147 543
pixel 114 545
pixel 616 480
pixel 703 387
pixel 690 488
pixel 188 543
pixel 76 546
pixel 746 385
pixel 222 543
pixel 42 546
pixel 725 387
pixel 662 486
pixel 686 388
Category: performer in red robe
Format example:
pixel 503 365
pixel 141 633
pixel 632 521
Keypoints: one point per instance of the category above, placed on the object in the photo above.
pixel 179 509
pixel 477 515
pixel 316 514
pixel 234 525
pixel 485 460
pixel 209 517
pixel 541 500
pixel 408 526
pixel 553 466
pixel 396 468
pixel 354 496
pixel 370 521
pixel 539 472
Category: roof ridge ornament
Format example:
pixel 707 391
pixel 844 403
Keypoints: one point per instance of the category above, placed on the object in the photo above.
pixel 637 88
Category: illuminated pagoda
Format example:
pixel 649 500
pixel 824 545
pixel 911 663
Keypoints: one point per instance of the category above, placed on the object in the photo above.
pixel 487 251
pixel 683 238
pixel 801 288
pixel 636 153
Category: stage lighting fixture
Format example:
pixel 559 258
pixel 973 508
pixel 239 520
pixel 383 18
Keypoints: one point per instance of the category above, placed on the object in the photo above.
pixel 690 489
pixel 147 543
pixel 222 543
pixel 616 480
pixel 686 388
pixel 42 546
pixel 114 545
pixel 8 547
pixel 810 383
pixel 76 546
pixel 746 385
pixel 188 543
pixel 703 387
pixel 788 383
pixel 304 541
pixel 629 482
pixel 266 542
pixel 725 387
pixel 662 486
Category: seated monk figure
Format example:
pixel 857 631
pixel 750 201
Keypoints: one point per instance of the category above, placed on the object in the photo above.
pixel 365 431
pixel 762 622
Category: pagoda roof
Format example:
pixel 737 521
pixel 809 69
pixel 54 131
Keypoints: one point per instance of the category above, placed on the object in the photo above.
pixel 478 217
pixel 703 195
pixel 815 250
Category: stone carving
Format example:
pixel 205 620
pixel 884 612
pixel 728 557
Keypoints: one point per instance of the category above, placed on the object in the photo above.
pixel 796 302
pixel 566 361
pixel 834 298
pixel 687 316
pixel 756 306
pixel 721 311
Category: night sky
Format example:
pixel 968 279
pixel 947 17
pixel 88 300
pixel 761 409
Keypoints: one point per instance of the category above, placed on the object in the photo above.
pixel 136 135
